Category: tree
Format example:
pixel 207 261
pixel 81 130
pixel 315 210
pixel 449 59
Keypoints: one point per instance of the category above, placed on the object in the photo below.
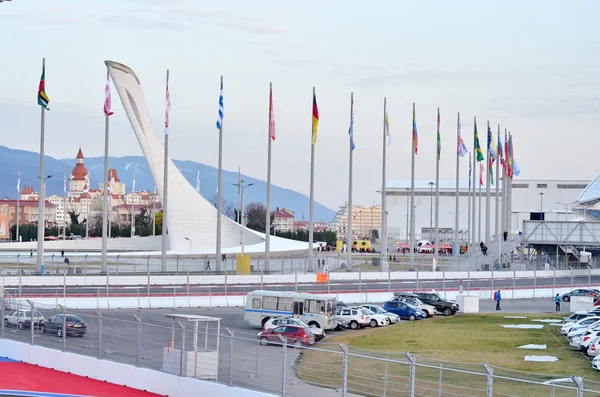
pixel 255 214
pixel 227 208
pixel 158 220
pixel 329 237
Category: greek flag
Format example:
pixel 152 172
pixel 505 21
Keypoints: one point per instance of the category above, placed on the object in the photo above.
pixel 220 119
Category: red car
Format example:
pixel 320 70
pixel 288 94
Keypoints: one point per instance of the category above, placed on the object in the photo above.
pixel 294 335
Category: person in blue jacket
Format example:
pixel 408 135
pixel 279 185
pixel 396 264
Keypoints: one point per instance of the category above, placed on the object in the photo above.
pixel 498 299
pixel 557 302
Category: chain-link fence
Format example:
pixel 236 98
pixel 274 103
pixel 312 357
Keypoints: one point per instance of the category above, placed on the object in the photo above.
pixel 197 346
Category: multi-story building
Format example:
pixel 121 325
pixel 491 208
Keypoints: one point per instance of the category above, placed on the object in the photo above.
pixel 365 219
pixel 28 212
pixel 318 226
pixel 283 220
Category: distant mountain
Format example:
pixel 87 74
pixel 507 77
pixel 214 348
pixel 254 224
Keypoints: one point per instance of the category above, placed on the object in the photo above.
pixel 12 160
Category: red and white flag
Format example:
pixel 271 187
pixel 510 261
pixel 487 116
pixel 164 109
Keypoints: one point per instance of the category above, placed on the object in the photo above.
pixel 271 116
pixel 481 168
pixel 167 111
pixel 107 101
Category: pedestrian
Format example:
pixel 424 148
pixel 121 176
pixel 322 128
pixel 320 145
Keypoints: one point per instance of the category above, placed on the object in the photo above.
pixel 30 252
pixel 207 265
pixel 481 246
pixel 62 253
pixel 557 302
pixel 495 295
pixel 498 299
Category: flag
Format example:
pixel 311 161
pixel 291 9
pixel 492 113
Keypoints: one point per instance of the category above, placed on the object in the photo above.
pixel 107 100
pixel 351 128
pixel 478 152
pixel 470 170
pixel 65 183
pixel 19 182
pixel 315 120
pixel 386 123
pixel 415 134
pixel 167 110
pixel 439 138
pixel 481 168
pixel 490 143
pixel 506 162
pixel 515 170
pixel 220 119
pixel 461 148
pixel 271 115
pixel 500 153
pixel 43 99
pixel 198 180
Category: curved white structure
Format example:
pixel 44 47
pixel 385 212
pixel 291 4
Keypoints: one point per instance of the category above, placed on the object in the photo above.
pixel 190 215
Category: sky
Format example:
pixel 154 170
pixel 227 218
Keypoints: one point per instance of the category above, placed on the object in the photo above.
pixel 531 67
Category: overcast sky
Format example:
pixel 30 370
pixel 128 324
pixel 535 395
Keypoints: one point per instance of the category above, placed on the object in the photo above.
pixel 530 66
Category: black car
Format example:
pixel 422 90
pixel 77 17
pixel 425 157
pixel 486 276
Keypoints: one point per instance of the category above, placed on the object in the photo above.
pixel 74 326
pixel 441 306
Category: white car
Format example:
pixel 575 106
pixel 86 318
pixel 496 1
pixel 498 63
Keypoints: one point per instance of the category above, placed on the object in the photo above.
pixel 275 322
pixel 377 320
pixel 584 321
pixel 594 348
pixel 353 317
pixel 578 330
pixel 596 363
pixel 22 319
pixel 392 317
pixel 577 316
pixel 586 341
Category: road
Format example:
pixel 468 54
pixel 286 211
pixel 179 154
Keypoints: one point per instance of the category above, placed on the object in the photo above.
pixel 255 367
pixel 506 282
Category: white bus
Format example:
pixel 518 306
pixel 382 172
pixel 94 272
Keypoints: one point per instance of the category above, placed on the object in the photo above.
pixel 315 310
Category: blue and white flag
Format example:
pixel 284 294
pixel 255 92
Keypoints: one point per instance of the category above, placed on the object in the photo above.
pixel 460 144
pixel 351 129
pixel 220 119
pixel 19 182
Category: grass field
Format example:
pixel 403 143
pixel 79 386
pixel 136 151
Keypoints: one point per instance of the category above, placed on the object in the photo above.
pixel 460 342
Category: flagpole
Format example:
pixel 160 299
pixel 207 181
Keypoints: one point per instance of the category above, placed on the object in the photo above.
pixel 437 190
pixel 268 211
pixel 311 203
pixel 497 218
pixel 469 234
pixel 133 204
pixel 509 210
pixel 487 190
pixel 503 217
pixel 350 166
pixel 18 204
pixel 220 188
pixel 65 205
pixel 104 192
pixel 474 180
pixel 383 237
pixel 165 207
pixel 456 250
pixel 154 212
pixel 479 214
pixel 412 196
pixel 42 189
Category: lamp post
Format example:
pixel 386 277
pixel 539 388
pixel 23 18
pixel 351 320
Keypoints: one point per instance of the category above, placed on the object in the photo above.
pixel 190 240
pixel 542 204
pixel 242 185
pixel 566 207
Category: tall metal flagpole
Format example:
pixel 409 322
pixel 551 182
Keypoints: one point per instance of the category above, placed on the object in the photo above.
pixel 65 211
pixel 412 192
pixel 312 185
pixel 383 237
pixel 497 218
pixel 18 205
pixel 469 233
pixel 270 137
pixel 220 179
pixel 488 180
pixel 154 212
pixel 107 113
pixel 437 189
pixel 456 250
pixel 165 205
pixel 503 215
pixel 133 204
pixel 474 180
pixel 479 211
pixel 350 166
pixel 42 189
pixel 87 210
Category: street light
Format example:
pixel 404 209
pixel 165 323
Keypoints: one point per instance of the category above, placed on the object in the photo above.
pixel 242 185
pixel 542 203
pixel 190 240
pixel 566 207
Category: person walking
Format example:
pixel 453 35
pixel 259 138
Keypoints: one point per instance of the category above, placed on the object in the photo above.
pixel 557 302
pixel 498 298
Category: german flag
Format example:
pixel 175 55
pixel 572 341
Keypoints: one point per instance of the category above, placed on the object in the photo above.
pixel 43 99
pixel 315 119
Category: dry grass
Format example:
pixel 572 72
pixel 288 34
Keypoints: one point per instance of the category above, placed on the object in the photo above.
pixel 460 342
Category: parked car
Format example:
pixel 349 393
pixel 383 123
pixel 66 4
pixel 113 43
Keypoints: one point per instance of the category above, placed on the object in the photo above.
pixel 594 293
pixel 578 316
pixel 404 310
pixel 594 348
pixel 583 321
pixel 294 335
pixel 445 307
pixel 376 320
pixel 413 300
pixel 596 363
pixel 353 317
pixel 392 318
pixel 74 326
pixel 275 322
pixel 587 339
pixel 583 327
pixel 22 319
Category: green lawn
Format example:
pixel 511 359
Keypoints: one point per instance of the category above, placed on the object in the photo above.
pixel 460 342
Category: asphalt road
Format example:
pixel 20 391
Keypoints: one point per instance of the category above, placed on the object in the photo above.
pixel 503 281
pixel 255 367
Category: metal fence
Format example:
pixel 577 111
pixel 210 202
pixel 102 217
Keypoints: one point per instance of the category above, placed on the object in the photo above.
pixel 179 346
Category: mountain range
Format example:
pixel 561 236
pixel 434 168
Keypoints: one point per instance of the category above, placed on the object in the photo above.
pixel 27 164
